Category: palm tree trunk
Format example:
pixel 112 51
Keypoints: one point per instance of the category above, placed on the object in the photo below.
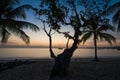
pixel 95 46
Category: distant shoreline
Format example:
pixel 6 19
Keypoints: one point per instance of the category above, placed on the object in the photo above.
pixel 114 47
pixel 88 59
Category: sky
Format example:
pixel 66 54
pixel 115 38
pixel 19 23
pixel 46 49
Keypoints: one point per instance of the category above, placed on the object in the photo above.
pixel 41 39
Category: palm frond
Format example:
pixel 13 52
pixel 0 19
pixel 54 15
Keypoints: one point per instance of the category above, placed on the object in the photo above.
pixel 21 34
pixel 9 23
pixel 4 4
pixel 15 30
pixel 86 36
pixel 108 37
pixel 106 27
pixel 100 36
pixel 7 5
pixel 19 12
pixel 4 34
pixel 118 29
pixel 26 25
pixel 113 8
pixel 116 17
pixel 14 2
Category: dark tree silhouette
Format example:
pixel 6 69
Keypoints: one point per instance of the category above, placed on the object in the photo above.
pixel 56 14
pixel 9 23
pixel 114 9
pixel 98 24
pixel 97 30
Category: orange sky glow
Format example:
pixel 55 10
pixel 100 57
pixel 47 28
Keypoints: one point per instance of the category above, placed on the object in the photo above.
pixel 41 39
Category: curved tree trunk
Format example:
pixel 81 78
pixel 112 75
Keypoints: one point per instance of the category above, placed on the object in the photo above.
pixel 62 61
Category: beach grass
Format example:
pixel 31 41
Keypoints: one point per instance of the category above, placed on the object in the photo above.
pixel 106 69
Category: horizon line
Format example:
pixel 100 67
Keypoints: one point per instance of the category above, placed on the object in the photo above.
pixel 85 47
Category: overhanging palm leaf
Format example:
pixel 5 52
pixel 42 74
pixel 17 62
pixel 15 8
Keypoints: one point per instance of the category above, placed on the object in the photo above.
pixel 119 25
pixel 5 35
pixel 19 12
pixel 17 26
pixel 116 19
pixel 21 34
pixel 9 24
pixel 113 8
pixel 7 5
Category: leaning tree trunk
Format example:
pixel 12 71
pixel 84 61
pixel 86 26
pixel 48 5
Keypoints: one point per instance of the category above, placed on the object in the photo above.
pixel 62 62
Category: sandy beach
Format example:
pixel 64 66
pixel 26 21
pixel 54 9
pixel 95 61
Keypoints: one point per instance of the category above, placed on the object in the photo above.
pixel 80 69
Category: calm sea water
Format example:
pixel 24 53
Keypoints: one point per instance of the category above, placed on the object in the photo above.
pixel 34 53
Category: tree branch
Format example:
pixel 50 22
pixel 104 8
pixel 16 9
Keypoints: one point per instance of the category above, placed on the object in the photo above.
pixel 67 45
pixel 52 55
pixel 45 30
pixel 66 34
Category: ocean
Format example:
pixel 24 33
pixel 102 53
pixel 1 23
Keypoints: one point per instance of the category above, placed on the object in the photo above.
pixel 40 53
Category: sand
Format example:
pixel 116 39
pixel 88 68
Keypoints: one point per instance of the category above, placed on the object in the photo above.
pixel 106 69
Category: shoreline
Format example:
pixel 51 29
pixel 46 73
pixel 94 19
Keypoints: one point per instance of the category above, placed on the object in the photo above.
pixel 72 60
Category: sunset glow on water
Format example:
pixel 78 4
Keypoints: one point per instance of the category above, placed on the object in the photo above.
pixel 35 53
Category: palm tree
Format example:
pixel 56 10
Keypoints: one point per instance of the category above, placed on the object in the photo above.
pixel 115 8
pixel 98 29
pixel 9 23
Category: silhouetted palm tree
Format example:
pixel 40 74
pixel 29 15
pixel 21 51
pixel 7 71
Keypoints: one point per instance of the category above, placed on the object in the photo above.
pixel 115 8
pixel 9 23
pixel 98 30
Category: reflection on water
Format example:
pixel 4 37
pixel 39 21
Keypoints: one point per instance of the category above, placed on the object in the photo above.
pixel 15 53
